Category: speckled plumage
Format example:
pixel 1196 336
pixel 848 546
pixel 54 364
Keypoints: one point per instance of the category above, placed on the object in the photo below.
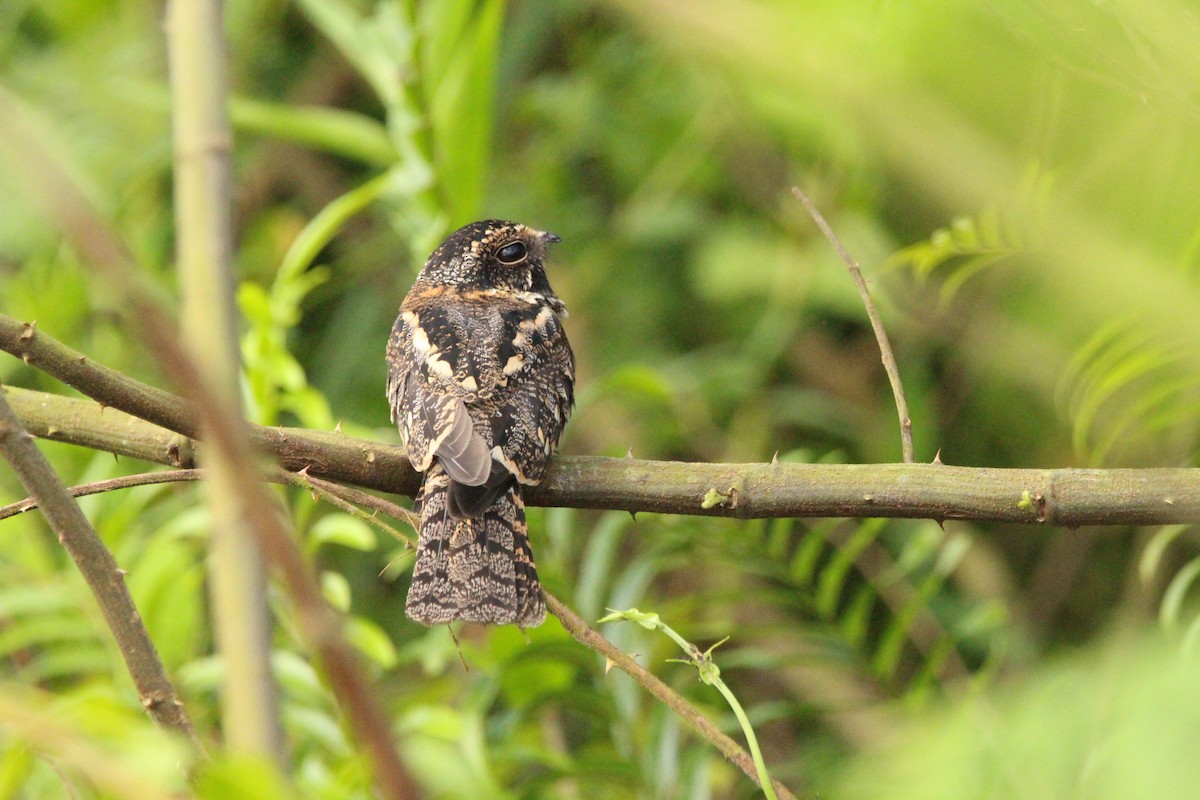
pixel 480 382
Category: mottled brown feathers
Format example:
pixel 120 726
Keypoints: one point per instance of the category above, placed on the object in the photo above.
pixel 481 382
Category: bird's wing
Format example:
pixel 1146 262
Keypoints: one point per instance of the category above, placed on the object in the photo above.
pixel 432 376
pixel 538 375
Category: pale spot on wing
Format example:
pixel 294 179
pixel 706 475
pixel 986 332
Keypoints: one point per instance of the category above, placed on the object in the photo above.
pixel 420 340
pixel 511 466
pixel 439 367
pixel 513 364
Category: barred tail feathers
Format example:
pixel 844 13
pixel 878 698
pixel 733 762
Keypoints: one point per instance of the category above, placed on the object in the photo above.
pixel 479 569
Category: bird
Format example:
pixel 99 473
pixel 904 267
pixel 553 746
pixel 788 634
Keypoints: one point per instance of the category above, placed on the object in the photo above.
pixel 481 382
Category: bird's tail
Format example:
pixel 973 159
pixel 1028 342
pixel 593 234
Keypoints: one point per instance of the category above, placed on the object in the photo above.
pixel 478 569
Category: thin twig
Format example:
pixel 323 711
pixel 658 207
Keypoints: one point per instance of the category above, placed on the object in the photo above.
pixel 99 487
pixel 885 348
pixel 347 498
pixel 98 567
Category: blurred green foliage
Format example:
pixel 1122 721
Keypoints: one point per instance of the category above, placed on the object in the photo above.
pixel 1018 182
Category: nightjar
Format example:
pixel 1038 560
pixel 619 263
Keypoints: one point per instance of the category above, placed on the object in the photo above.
pixel 481 382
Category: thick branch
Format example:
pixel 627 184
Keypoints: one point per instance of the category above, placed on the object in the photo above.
pixel 1065 497
pixel 98 567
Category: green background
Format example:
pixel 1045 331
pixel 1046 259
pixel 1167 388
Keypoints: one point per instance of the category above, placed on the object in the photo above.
pixel 1019 182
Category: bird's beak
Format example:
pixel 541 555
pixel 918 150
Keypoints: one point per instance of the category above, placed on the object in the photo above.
pixel 550 237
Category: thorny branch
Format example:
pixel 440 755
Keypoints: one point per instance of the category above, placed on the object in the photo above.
pixel 1064 497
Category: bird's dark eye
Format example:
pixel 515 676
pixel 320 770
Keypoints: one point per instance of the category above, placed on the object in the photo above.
pixel 512 253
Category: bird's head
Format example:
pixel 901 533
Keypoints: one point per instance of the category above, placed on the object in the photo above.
pixel 491 254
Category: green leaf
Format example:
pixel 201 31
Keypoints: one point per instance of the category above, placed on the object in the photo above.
pixel 344 529
pixel 334 130
pixel 1170 613
pixel 832 578
pixel 326 224
pixel 241 777
pixel 1156 548
pixel 371 641
pixel 336 590
pixel 647 620
pixel 461 99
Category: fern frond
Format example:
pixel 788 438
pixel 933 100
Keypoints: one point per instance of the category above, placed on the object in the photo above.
pixel 970 244
pixel 1126 387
